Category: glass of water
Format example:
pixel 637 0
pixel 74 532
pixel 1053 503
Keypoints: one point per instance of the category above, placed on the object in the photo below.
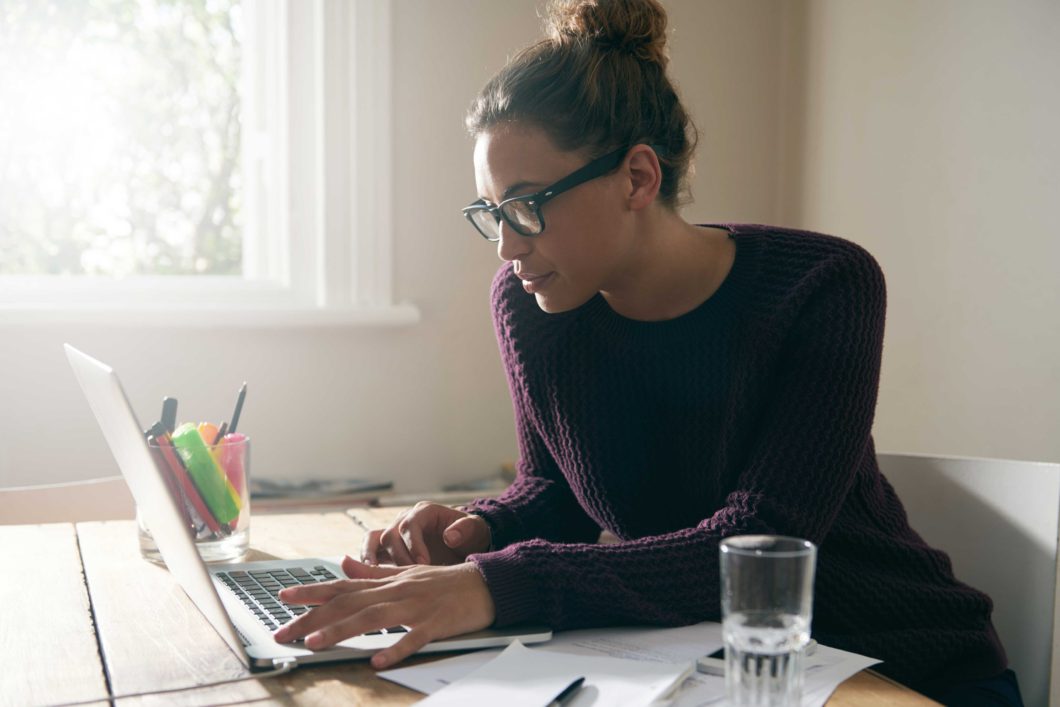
pixel 766 608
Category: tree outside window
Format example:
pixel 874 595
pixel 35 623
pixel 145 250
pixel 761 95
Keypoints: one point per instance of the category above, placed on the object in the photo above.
pixel 120 137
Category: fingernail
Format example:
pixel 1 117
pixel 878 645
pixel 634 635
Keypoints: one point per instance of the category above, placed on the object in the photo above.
pixel 314 640
pixel 452 536
pixel 281 635
pixel 379 660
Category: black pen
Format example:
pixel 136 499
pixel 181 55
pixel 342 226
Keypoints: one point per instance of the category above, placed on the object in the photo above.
pixel 239 407
pixel 568 693
pixel 169 414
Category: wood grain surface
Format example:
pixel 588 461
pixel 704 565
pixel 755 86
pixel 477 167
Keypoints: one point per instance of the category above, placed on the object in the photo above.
pixel 46 632
pixel 154 638
pixel 869 688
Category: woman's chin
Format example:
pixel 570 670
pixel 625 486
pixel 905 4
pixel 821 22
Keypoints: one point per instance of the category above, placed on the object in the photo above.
pixel 552 303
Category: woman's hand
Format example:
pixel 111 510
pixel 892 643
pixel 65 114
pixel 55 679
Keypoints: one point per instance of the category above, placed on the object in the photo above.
pixel 427 534
pixel 434 602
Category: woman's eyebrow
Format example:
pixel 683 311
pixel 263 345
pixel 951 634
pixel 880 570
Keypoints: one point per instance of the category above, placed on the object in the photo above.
pixel 519 186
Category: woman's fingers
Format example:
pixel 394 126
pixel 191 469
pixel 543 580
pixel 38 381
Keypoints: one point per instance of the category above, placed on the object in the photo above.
pixel 411 642
pixel 338 609
pixel 434 602
pixel 394 544
pixel 370 547
pixel 325 633
pixel 468 534
pixel 412 534
pixel 339 599
pixel 325 591
pixel 364 570
pixel 427 534
pixel 312 594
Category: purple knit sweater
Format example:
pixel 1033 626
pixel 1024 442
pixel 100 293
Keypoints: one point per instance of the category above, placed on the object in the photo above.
pixel 750 414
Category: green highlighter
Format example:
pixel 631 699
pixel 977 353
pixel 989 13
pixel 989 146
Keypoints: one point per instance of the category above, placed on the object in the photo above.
pixel 208 478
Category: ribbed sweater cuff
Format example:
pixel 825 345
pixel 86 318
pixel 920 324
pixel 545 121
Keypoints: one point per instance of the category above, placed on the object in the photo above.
pixel 512 591
pixel 505 526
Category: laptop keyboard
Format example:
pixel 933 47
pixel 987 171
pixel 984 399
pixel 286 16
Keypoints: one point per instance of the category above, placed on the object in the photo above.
pixel 259 590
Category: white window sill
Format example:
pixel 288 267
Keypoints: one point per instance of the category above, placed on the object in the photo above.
pixel 209 317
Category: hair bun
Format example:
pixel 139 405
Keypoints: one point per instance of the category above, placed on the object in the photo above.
pixel 637 27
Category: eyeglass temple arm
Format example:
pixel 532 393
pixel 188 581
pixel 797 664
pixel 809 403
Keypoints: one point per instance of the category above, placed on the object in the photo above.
pixel 594 169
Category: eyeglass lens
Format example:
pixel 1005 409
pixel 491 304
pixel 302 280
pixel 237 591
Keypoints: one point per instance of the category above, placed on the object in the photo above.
pixel 520 216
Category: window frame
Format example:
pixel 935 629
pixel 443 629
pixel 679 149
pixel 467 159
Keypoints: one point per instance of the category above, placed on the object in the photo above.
pixel 317 165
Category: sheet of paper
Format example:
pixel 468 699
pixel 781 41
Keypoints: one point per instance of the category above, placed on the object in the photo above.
pixel 824 671
pixel 531 677
pixel 431 677
pixel 515 678
pixel 665 645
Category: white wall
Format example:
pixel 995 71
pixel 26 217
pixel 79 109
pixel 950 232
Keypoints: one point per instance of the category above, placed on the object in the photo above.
pixel 927 131
pixel 921 130
pixel 421 405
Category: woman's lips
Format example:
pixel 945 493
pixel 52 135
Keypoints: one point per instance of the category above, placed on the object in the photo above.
pixel 533 282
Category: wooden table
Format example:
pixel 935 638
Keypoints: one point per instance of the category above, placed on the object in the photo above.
pixel 96 620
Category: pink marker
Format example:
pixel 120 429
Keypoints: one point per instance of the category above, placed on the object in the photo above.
pixel 232 457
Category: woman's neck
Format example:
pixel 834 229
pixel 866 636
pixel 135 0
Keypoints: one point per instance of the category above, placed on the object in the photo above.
pixel 675 267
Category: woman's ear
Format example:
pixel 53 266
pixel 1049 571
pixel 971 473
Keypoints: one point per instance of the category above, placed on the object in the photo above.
pixel 645 176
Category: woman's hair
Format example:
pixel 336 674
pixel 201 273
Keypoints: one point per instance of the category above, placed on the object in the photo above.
pixel 597 82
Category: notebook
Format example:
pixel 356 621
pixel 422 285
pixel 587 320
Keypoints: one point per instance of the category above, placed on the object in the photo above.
pixel 238 599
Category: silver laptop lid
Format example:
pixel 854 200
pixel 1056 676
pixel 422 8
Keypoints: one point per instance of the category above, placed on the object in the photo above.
pixel 121 429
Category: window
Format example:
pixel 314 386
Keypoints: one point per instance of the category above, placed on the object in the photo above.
pixel 121 138
pixel 183 155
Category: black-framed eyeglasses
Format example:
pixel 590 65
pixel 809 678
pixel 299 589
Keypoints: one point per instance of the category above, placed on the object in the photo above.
pixel 523 213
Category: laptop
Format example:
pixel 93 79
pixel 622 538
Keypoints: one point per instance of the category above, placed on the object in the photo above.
pixel 239 600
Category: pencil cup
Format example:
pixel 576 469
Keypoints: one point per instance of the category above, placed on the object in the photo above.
pixel 209 486
pixel 766 608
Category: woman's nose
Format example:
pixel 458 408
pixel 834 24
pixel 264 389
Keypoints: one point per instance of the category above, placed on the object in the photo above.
pixel 512 245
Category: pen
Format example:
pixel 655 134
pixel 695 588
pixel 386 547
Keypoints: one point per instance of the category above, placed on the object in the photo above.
pixel 239 406
pixel 158 431
pixel 359 523
pixel 568 693
pixel 190 492
pixel 169 413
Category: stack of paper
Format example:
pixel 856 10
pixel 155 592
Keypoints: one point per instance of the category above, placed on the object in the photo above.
pixel 665 647
pixel 525 677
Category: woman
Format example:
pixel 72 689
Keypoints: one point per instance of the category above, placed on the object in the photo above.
pixel 673 384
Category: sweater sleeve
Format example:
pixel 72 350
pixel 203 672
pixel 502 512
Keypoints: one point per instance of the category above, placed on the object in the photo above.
pixel 539 503
pixel 809 443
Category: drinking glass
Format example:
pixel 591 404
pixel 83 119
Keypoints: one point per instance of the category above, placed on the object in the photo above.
pixel 219 538
pixel 766 608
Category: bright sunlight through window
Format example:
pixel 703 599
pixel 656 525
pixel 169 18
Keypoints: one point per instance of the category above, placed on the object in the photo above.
pixel 120 137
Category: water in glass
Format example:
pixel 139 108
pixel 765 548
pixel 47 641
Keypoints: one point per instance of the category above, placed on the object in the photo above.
pixel 763 658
